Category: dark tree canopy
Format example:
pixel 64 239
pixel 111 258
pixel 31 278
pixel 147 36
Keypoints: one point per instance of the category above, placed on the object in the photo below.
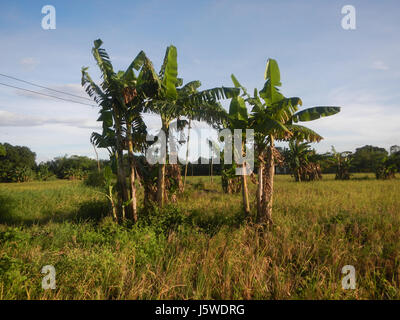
pixel 2 150
pixel 73 167
pixel 368 158
pixel 16 162
pixel 394 149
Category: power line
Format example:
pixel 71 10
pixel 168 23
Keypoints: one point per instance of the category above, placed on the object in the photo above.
pixel 37 85
pixel 47 95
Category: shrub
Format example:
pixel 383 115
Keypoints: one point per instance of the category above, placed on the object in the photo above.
pixel 21 174
pixel 95 179
pixel 75 174
pixel 386 169
pixel 163 220
pixel 12 274
pixel 43 173
pixel 230 182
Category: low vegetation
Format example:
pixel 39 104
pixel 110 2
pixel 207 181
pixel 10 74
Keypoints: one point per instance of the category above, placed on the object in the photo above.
pixel 202 247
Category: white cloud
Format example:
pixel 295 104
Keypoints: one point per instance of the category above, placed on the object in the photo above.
pixel 29 63
pixel 72 88
pixel 10 119
pixel 365 118
pixel 52 141
pixel 380 65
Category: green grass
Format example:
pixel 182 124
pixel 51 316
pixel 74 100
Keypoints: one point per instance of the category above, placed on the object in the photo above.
pixel 212 253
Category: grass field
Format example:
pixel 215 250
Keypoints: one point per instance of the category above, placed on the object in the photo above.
pixel 202 247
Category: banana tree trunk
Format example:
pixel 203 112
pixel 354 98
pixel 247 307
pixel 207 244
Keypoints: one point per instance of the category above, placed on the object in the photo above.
pixel 121 177
pixel 297 175
pixel 268 186
pixel 245 193
pixel 161 172
pixel 97 157
pixel 133 203
pixel 161 185
pixel 260 187
pixel 187 154
pixel 211 169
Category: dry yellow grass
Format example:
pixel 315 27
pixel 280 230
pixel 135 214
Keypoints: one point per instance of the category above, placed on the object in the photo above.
pixel 319 227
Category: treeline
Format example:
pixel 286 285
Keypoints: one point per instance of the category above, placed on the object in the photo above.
pixel 368 159
pixel 17 163
pixel 365 159
pixel 306 164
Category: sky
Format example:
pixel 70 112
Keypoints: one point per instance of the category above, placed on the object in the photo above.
pixel 320 62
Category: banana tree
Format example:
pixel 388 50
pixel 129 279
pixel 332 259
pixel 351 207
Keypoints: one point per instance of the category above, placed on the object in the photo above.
pixel 240 119
pixel 120 98
pixel 171 100
pixel 106 96
pixel 162 102
pixel 297 157
pixel 342 162
pixel 274 117
pixel 201 106
pixel 214 149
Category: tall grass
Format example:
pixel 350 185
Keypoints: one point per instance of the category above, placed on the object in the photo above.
pixel 212 253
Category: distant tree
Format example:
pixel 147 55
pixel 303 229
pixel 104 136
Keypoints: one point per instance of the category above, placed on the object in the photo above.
pixel 43 172
pixel 389 165
pixel 394 149
pixel 302 161
pixel 73 167
pixel 2 150
pixel 16 163
pixel 342 162
pixel 395 156
pixel 368 158
pixel 22 174
pixel 230 182
pixel 386 169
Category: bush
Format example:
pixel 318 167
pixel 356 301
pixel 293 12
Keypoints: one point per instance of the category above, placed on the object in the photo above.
pixel 12 273
pixel 43 173
pixel 21 174
pixel 386 169
pixel 385 172
pixel 163 220
pixel 95 179
pixel 75 174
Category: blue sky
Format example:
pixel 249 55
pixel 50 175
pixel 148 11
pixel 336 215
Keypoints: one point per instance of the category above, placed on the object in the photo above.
pixel 320 61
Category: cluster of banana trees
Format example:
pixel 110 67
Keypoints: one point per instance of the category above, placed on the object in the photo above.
pixel 21 174
pixel 342 161
pixel 273 117
pixel 387 168
pixel 303 162
pixel 75 174
pixel 124 96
